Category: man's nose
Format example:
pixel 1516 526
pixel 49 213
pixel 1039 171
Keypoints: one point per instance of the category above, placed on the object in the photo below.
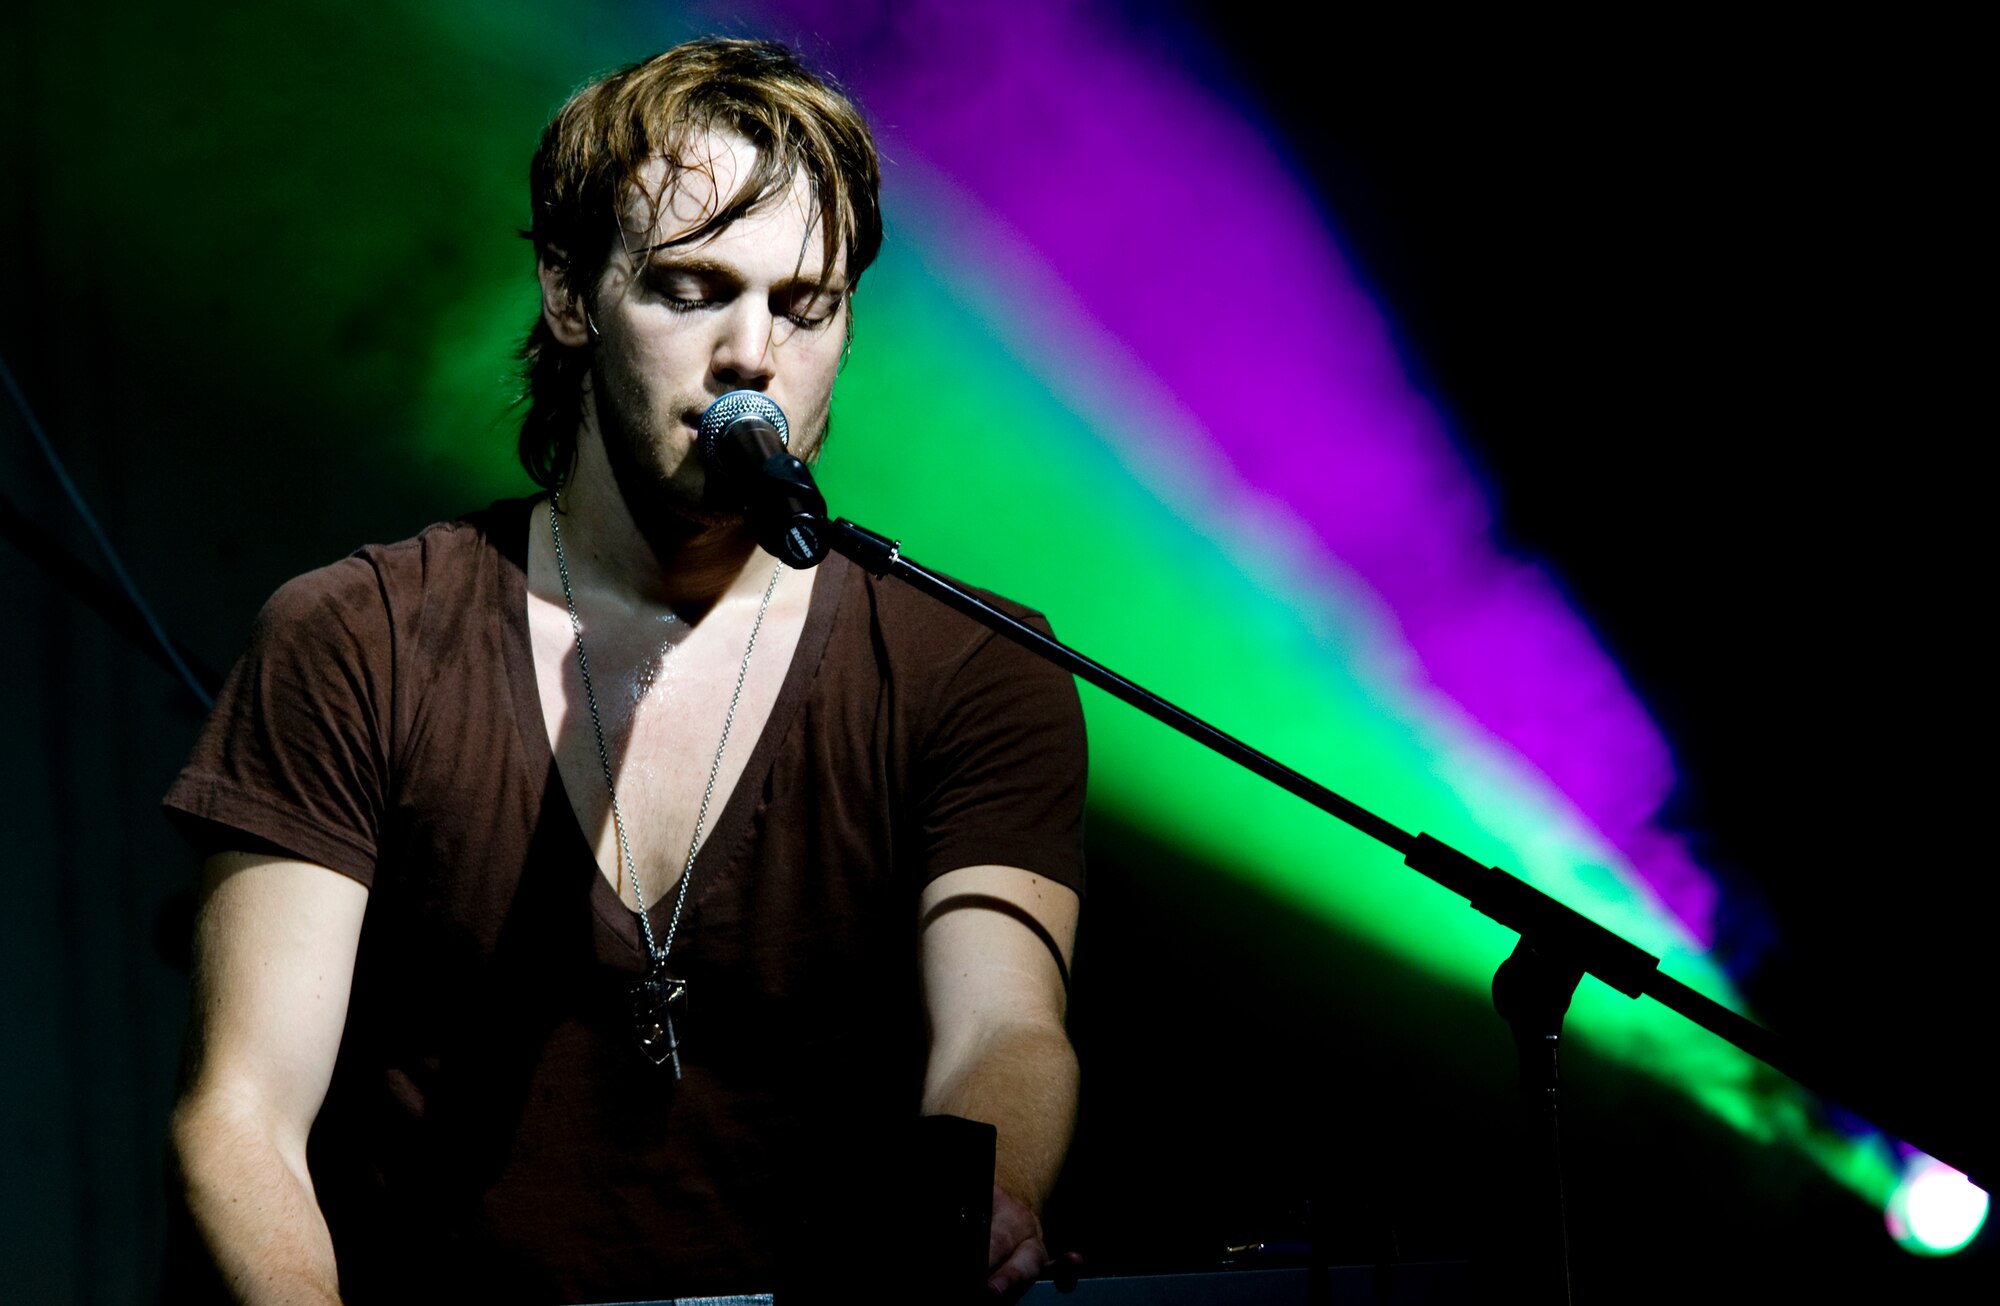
pixel 743 351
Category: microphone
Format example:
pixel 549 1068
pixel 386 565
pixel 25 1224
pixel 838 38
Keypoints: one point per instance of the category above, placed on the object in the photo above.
pixel 742 441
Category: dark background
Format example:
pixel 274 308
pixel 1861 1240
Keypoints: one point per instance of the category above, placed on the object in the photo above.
pixel 1703 307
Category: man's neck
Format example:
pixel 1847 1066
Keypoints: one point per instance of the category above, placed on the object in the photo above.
pixel 672 563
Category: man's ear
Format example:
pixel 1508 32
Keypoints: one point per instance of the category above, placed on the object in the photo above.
pixel 562 308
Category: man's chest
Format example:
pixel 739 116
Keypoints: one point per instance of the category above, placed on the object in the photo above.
pixel 661 716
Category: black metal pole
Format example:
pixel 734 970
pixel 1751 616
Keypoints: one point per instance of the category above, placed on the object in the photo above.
pixel 1564 936
pixel 1532 991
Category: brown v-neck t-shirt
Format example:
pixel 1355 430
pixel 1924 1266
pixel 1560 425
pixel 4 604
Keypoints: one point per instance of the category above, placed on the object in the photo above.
pixel 492 1132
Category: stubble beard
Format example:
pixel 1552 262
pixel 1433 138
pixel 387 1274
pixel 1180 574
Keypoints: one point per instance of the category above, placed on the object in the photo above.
pixel 667 507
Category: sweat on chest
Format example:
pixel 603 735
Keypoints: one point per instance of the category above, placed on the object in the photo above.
pixel 669 715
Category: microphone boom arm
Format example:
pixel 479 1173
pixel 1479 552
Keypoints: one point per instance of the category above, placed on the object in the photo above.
pixel 1558 932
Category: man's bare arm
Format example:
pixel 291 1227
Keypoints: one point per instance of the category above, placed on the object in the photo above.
pixel 995 996
pixel 274 958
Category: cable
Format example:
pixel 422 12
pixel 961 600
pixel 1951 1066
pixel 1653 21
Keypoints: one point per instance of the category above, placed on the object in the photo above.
pixel 201 694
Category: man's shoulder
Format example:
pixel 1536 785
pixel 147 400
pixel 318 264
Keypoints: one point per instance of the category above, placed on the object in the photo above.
pixel 922 634
pixel 484 537
pixel 909 611
pixel 443 562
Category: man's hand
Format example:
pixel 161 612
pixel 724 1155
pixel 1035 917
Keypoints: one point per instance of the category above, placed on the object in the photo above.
pixel 994 946
pixel 1015 1253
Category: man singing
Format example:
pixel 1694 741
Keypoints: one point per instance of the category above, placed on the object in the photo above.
pixel 592 903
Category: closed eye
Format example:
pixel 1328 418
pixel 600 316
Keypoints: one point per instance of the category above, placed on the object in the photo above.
pixel 685 294
pixel 693 286
pixel 689 288
pixel 809 309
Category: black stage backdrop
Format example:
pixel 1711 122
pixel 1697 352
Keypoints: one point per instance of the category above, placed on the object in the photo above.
pixel 1704 304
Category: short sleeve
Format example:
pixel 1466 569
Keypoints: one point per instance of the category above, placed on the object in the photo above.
pixel 295 754
pixel 1005 763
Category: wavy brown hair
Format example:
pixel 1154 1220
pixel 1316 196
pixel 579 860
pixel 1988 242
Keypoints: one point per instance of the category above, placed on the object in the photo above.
pixel 595 149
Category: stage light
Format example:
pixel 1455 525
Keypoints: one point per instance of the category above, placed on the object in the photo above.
pixel 1935 1210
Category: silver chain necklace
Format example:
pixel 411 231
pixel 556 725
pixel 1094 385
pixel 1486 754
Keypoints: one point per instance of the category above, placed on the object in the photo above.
pixel 656 992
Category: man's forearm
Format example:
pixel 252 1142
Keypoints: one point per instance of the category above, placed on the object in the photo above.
pixel 1022 1079
pixel 255 1209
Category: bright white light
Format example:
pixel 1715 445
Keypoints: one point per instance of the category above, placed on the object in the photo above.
pixel 1935 1210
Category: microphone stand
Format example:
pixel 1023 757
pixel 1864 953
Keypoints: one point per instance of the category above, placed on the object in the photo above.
pixel 1532 988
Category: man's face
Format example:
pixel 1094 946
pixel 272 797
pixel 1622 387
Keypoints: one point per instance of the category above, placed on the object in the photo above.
pixel 680 325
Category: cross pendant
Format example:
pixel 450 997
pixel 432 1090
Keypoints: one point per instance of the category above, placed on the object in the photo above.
pixel 653 997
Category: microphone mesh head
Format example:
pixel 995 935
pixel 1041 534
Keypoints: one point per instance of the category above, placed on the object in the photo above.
pixel 737 404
